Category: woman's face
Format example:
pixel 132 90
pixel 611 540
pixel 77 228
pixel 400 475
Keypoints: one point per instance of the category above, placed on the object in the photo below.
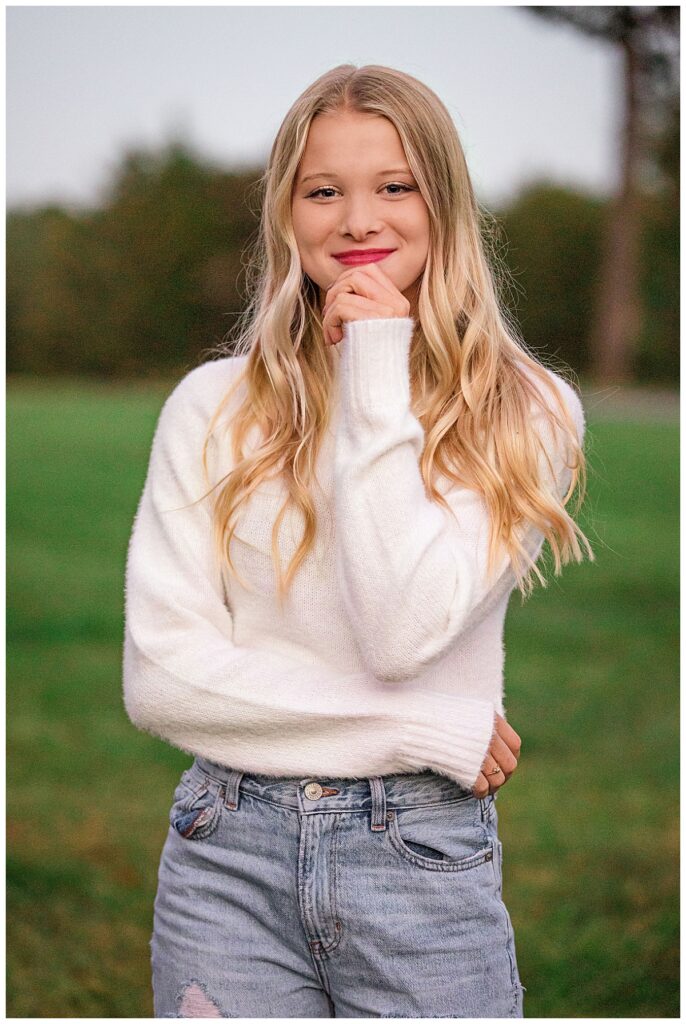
pixel 354 190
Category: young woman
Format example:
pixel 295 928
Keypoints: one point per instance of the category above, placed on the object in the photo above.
pixel 333 521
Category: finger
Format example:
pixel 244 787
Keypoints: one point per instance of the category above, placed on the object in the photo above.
pixel 493 773
pixel 337 288
pixel 481 788
pixel 351 307
pixel 356 284
pixel 508 734
pixel 369 282
pixel 354 307
pixel 502 755
pixel 377 271
pixel 374 269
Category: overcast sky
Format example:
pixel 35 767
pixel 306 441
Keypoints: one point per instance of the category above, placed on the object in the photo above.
pixel 529 98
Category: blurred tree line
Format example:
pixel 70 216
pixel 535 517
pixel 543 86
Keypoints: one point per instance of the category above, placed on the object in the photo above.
pixel 154 276
pixel 647 43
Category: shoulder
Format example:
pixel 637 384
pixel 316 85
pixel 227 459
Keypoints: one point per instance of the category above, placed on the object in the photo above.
pixel 196 397
pixel 551 390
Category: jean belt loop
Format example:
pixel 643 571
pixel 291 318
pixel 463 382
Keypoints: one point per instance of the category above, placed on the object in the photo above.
pixel 378 820
pixel 485 804
pixel 232 787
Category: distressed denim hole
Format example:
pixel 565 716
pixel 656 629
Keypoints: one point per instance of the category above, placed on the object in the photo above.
pixel 194 1001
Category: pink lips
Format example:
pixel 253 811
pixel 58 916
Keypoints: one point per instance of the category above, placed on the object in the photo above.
pixel 363 256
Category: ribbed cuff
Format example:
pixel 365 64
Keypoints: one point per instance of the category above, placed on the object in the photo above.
pixel 375 364
pixel 449 735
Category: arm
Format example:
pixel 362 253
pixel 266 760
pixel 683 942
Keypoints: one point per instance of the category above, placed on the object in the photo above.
pixel 413 578
pixel 188 683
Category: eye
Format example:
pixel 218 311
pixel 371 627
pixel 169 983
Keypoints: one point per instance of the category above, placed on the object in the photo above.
pixel 318 192
pixel 405 188
pixel 328 188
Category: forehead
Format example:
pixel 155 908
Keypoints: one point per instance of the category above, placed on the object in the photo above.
pixel 351 141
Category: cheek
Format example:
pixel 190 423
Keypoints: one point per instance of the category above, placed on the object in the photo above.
pixel 418 238
pixel 310 231
pixel 418 224
pixel 414 228
pixel 422 229
pixel 302 226
pixel 311 248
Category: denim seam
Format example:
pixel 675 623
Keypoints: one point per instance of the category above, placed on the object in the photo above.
pixel 303 858
pixel 333 885
pixel 195 789
pixel 195 793
pixel 508 924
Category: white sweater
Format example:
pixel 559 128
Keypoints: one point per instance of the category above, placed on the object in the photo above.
pixel 388 654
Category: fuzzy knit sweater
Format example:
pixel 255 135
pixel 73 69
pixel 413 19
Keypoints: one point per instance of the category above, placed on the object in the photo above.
pixel 387 655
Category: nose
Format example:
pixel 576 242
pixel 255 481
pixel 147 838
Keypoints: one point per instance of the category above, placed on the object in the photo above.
pixel 359 217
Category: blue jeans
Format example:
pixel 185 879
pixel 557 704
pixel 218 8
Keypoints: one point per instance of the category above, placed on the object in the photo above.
pixel 285 897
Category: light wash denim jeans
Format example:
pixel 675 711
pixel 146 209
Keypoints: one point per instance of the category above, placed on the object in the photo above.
pixel 327 897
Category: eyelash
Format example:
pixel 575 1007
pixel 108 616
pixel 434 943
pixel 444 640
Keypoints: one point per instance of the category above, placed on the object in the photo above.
pixel 330 188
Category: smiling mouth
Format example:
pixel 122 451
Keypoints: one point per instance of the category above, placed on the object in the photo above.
pixel 368 256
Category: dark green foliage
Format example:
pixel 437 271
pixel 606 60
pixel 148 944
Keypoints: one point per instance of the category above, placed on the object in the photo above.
pixel 140 285
pixel 658 355
pixel 155 276
pixel 552 239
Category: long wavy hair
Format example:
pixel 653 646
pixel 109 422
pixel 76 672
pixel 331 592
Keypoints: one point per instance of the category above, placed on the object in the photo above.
pixel 472 380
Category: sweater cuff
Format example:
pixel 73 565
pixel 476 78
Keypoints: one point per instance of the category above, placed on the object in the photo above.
pixel 449 735
pixel 374 364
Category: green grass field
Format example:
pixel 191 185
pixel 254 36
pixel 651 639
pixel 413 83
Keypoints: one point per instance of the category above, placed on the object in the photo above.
pixel 589 821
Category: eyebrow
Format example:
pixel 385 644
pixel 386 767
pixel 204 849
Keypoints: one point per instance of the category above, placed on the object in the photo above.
pixel 332 174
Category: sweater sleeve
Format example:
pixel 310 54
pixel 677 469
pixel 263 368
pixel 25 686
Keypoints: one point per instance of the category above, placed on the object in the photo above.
pixel 185 681
pixel 413 578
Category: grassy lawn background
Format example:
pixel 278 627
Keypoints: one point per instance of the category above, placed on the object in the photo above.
pixel 589 821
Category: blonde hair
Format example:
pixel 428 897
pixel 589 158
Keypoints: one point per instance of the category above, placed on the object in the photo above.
pixel 472 380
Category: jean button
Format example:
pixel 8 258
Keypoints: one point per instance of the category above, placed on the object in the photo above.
pixel 313 791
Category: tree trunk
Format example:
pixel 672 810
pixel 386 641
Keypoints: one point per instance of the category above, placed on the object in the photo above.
pixel 616 324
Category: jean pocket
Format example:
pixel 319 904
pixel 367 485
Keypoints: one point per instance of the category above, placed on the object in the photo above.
pixel 196 805
pixel 448 836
